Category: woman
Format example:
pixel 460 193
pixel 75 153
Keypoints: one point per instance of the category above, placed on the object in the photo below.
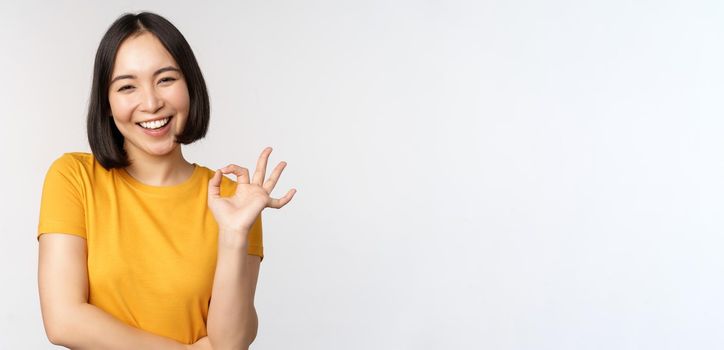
pixel 138 248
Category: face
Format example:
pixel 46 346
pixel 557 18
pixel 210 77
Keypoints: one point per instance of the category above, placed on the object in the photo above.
pixel 148 96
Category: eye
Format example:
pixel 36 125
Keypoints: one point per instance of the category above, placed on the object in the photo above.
pixel 125 87
pixel 166 79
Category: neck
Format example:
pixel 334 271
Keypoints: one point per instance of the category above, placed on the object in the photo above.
pixel 164 170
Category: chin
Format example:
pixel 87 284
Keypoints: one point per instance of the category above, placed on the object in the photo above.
pixel 159 149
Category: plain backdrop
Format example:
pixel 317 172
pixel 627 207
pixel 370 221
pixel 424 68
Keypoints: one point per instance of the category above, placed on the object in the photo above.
pixel 502 174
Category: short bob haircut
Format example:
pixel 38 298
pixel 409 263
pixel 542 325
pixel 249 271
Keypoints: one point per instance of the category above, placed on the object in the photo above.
pixel 106 141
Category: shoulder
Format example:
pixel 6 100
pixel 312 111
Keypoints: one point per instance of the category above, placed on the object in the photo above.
pixel 74 159
pixel 77 167
pixel 66 179
pixel 71 162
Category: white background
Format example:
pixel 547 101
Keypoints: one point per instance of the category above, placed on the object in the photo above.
pixel 471 174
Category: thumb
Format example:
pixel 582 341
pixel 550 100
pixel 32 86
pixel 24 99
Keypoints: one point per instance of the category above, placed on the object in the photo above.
pixel 214 185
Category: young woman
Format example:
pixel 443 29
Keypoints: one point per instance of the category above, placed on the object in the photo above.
pixel 138 247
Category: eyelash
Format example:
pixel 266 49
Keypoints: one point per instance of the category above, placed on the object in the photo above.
pixel 130 86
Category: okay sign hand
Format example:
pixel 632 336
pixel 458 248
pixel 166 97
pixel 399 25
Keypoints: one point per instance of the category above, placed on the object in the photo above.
pixel 238 212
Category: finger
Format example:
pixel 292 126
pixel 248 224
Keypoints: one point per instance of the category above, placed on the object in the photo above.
pixel 261 166
pixel 274 177
pixel 242 174
pixel 214 185
pixel 278 203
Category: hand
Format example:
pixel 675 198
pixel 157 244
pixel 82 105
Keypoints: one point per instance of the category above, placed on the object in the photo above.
pixel 202 344
pixel 238 212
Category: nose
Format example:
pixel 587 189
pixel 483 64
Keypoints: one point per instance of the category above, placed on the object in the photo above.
pixel 151 101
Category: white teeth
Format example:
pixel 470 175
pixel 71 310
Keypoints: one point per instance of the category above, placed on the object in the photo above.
pixel 155 124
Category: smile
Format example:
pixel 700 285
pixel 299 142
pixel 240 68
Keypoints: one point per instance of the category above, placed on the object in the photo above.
pixel 156 124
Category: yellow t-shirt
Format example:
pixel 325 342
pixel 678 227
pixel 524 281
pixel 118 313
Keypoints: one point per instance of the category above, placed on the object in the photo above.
pixel 151 250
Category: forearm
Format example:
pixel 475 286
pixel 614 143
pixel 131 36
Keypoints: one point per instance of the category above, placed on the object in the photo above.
pixel 232 320
pixel 85 326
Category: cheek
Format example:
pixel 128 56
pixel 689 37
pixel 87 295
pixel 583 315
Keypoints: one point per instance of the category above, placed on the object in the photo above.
pixel 179 97
pixel 121 108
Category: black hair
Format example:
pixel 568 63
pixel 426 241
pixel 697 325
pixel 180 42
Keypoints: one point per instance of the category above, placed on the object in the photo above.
pixel 106 141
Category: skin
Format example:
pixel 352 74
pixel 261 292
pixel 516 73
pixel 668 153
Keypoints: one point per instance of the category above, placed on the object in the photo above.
pixel 141 90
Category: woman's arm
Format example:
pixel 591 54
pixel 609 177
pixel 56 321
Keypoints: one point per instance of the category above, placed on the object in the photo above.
pixel 68 318
pixel 232 320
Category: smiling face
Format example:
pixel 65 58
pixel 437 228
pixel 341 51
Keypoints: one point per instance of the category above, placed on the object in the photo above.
pixel 147 90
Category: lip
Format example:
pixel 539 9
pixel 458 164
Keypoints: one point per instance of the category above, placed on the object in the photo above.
pixel 158 132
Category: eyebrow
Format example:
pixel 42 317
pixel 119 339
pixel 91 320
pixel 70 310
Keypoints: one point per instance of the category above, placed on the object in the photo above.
pixel 161 70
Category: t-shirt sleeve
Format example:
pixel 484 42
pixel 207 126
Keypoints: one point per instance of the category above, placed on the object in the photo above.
pixel 62 208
